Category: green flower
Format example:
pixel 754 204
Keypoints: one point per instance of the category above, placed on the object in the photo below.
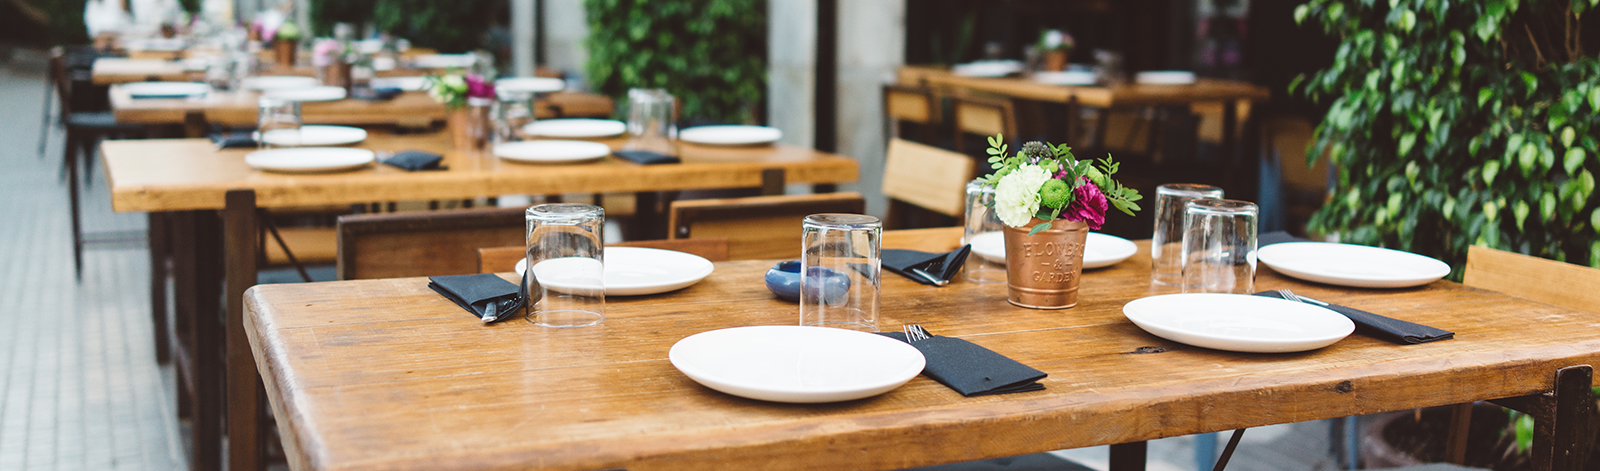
pixel 1035 150
pixel 1055 193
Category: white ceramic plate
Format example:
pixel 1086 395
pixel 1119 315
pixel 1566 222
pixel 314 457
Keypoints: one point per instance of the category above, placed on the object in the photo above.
pixel 551 151
pixel 317 93
pixel 629 271
pixel 529 85
pixel 277 82
pixel 1238 322
pixel 1164 77
pixel 1070 77
pixel 383 64
pixel 165 89
pixel 309 159
pixel 994 68
pixel 731 135
pixel 1100 250
pixel 314 136
pixel 443 61
pixel 796 363
pixel 1352 265
pixel 576 128
pixel 409 84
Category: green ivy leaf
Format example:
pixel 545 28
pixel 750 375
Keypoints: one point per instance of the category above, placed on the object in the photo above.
pixel 1300 13
pixel 1567 135
pixel 1040 227
pixel 1490 170
pixel 1585 185
pixel 1594 221
pixel 1573 159
pixel 1520 210
pixel 1407 140
pixel 1594 98
pixel 1483 95
pixel 1527 157
pixel 1408 20
pixel 1524 428
pixel 1547 206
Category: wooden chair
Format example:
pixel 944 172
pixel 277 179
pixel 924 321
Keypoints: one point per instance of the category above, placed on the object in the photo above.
pixel 983 117
pixel 502 259
pixel 84 130
pixel 426 243
pixel 931 179
pixel 757 226
pixel 903 104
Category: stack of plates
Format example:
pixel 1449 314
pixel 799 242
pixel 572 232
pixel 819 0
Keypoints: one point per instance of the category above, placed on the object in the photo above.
pixel 317 93
pixel 575 128
pixel 165 89
pixel 1100 250
pixel 551 151
pixel 309 159
pixel 314 136
pixel 730 135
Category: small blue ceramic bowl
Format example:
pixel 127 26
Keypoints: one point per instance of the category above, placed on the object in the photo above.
pixel 784 280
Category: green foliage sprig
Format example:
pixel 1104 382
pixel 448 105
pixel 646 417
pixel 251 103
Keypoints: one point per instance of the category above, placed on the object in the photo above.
pixel 710 54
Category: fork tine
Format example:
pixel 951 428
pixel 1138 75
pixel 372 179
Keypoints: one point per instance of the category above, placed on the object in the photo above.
pixel 922 334
pixel 906 328
pixel 1289 295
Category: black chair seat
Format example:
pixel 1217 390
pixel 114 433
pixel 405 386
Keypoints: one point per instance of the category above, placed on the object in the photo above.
pixel 99 121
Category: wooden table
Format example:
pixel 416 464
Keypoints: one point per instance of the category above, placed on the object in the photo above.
pixel 208 201
pixel 238 108
pixel 386 374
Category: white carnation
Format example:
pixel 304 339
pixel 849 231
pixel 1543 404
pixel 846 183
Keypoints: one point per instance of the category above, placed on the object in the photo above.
pixel 1016 196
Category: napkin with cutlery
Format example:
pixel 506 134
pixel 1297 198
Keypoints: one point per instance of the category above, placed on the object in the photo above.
pixel 1386 328
pixel 644 157
pixel 928 268
pixel 414 160
pixel 238 140
pixel 971 369
pixel 481 294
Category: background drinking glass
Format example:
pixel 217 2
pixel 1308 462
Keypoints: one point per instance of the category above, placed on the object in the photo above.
pixel 982 221
pixel 277 117
pixel 652 121
pixel 512 113
pixel 1166 245
pixel 565 256
pixel 1219 246
pixel 839 270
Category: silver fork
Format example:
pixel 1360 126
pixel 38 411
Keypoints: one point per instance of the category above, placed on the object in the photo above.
pixel 1289 295
pixel 914 332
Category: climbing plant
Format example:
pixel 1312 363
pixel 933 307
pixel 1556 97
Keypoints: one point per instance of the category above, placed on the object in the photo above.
pixel 710 54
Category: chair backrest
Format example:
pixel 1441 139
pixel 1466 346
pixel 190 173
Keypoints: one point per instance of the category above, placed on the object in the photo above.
pixel 983 117
pixel 927 177
pixel 903 104
pixel 500 259
pixel 756 226
pixel 1287 139
pixel 1562 284
pixel 423 243
pixel 61 80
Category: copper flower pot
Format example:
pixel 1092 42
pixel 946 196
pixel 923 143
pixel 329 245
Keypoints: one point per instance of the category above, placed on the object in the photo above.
pixel 468 127
pixel 1043 269
pixel 1055 61
pixel 284 51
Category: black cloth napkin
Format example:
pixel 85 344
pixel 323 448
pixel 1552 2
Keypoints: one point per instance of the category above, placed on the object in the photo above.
pixel 375 94
pixel 1276 237
pixel 971 369
pixel 644 157
pixel 414 160
pixel 1386 328
pixel 913 264
pixel 475 292
pixel 235 140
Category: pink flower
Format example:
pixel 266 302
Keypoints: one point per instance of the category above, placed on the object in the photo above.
pixel 477 87
pixel 1088 205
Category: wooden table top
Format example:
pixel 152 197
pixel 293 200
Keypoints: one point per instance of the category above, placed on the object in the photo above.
pixel 190 174
pixel 386 374
pixel 410 108
pixel 1203 90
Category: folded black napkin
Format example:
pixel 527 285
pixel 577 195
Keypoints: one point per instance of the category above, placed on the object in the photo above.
pixel 375 94
pixel 971 369
pixel 1276 237
pixel 476 293
pixel 1386 328
pixel 235 140
pixel 415 160
pixel 644 157
pixel 925 267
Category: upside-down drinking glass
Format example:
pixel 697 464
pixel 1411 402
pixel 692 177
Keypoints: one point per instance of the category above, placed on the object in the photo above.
pixel 1166 244
pixel 983 227
pixel 1219 246
pixel 839 268
pixel 566 257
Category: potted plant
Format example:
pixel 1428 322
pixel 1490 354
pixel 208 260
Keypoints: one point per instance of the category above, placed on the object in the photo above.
pixel 1055 45
pixel 1048 201
pixel 467 98
pixel 284 44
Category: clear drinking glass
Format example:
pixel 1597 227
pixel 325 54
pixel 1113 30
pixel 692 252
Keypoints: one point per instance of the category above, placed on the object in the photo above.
pixel 566 260
pixel 277 121
pixel 839 270
pixel 1219 246
pixel 512 113
pixel 1166 245
pixel 652 121
pixel 983 228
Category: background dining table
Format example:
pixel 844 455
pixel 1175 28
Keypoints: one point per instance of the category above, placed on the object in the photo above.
pixel 386 374
pixel 205 202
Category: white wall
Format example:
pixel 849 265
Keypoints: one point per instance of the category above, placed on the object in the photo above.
pixel 792 69
pixel 871 47
pixel 565 25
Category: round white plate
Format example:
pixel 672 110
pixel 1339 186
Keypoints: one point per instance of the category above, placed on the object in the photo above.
pixel 1069 77
pixel 409 84
pixel 383 64
pixel 277 82
pixel 1164 77
pixel 1100 250
pixel 994 68
pixel 1238 322
pixel 314 136
pixel 798 364
pixel 1352 265
pixel 309 159
pixel 576 128
pixel 165 89
pixel 731 135
pixel 529 85
pixel 551 151
pixel 443 61
pixel 629 271
pixel 317 93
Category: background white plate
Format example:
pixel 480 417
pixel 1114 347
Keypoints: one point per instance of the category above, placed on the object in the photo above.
pixel 1164 77
pixel 165 89
pixel 314 135
pixel 443 61
pixel 277 82
pixel 408 84
pixel 730 135
pixel 1100 250
pixel 317 93
pixel 796 363
pixel 309 159
pixel 1238 322
pixel 1068 77
pixel 1352 265
pixel 576 128
pixel 529 85
pixel 629 271
pixel 991 68
pixel 551 151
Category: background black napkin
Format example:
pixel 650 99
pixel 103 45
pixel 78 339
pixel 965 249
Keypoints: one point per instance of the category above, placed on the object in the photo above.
pixel 375 94
pixel 644 157
pixel 414 160
pixel 971 369
pixel 1386 328
pixel 941 266
pixel 1276 237
pixel 235 140
pixel 474 292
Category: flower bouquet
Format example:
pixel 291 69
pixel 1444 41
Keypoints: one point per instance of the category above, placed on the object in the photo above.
pixel 1048 201
pixel 467 97
pixel 1056 45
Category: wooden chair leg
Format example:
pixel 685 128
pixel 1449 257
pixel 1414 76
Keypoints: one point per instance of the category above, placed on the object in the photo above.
pixel 71 161
pixel 1455 451
pixel 158 286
